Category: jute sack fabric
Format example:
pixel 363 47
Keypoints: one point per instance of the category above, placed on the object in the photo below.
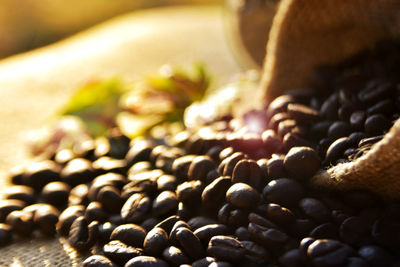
pixel 306 34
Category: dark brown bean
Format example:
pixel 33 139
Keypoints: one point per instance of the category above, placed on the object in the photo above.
pixel 315 209
pixel 155 242
pixel 302 162
pixel 67 217
pixel 120 252
pixel 165 202
pixel 21 222
pixel 136 208
pixel 285 192
pixel 146 261
pixel 190 243
pixel 9 205
pixel 200 167
pixel 98 261
pixel 130 234
pixel 242 196
pixel 226 248
pixel 82 235
pixel 174 256
pixel 5 234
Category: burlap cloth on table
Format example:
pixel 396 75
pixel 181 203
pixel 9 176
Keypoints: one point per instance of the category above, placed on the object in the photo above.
pixel 309 33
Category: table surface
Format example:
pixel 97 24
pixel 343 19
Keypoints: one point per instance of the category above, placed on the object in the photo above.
pixel 35 84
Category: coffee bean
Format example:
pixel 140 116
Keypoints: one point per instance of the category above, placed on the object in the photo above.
pixel 20 192
pixel 279 104
pixel 286 126
pixel 226 248
pixel 67 217
pixel 255 251
pixel 5 234
pixel 204 262
pixel 356 137
pixel 56 193
pixel 339 129
pixel 314 209
pixel 165 202
pixel 139 151
pixel 301 162
pixel 280 215
pixel 273 239
pixel 275 168
pixel 271 141
pixel 242 196
pixel 206 232
pixel 82 235
pixel 249 172
pixel 77 171
pixel 357 120
pixel 276 119
pixel 79 195
pixel 9 205
pixel 172 235
pixel 325 231
pixel 374 92
pixel 327 252
pixel 353 229
pixel 200 221
pixel 242 234
pixel 190 192
pixel 136 208
pixel 199 168
pixel 214 193
pixel 139 167
pixel 111 179
pixel 168 223
pixel 190 243
pixel 370 141
pixel 226 167
pixel 303 248
pixel 377 124
pixel 225 153
pixel 107 164
pixel 232 217
pixel 385 232
pixel 130 234
pixel 283 191
pixel 291 258
pixel 186 211
pixel 21 222
pixel 110 199
pixel 155 242
pixel 356 262
pixel 336 150
pixel 220 264
pixel 166 183
pixel 375 256
pixel 302 113
pixel 46 218
pixel 146 261
pixel 95 212
pixel 105 231
pixel 120 252
pixel 98 261
pixel 302 227
pixel 319 129
pixel 174 256
pixel 385 107
pixel 329 108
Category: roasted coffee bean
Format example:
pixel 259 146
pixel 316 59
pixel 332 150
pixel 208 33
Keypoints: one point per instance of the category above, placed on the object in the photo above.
pixel 168 223
pixel 275 168
pixel 20 192
pixel 249 172
pixel 82 235
pixel 9 205
pixel 302 227
pixel 190 192
pixel 38 174
pixel 336 149
pixel 302 113
pixel 111 179
pixel 293 140
pixel 77 171
pixel 279 104
pixel 339 129
pixel 226 167
pixel 79 195
pixel 325 231
pixel 167 183
pixel 329 108
pixel 226 248
pixel 276 119
pixel 185 211
pixel 286 127
pixel 214 152
pixel 370 141
pixel 255 251
pixel 353 229
pixel 271 141
pixel 385 107
pixel 172 235
pixel 21 222
pixel 106 164
pixel 140 150
pixel 303 248
pixel 190 243
pixel 328 252
pixel 214 193
pixel 356 262
pixel 200 221
pixel 67 217
pixel 166 202
pixel 242 233
pixel 56 193
pixel 291 258
pixel 357 120
pixel 146 261
pixel 315 209
pixel 356 137
pixel 199 168
pixel 45 219
pixel 319 129
pixel 301 162
pixel 231 216
pixel 174 256
pixel 280 215
pixel 120 252
pixel 285 192
pixel 377 124
pixel 155 242
pixel 95 212
pixel 225 153
pixel 273 239
pixel 130 234
pixel 98 261
pixel 204 262
pixel 105 230
pixel 345 111
pixel 5 234
pixel 220 264
pixel 206 232
pixel 136 208
pixel 63 156
pixel 110 199
pixel 385 232
pixel 375 92
pixel 242 196
pixel 138 167
pixel 375 256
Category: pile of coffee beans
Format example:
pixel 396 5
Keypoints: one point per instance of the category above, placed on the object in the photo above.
pixel 233 193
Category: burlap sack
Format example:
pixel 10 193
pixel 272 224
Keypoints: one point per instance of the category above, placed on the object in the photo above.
pixel 306 34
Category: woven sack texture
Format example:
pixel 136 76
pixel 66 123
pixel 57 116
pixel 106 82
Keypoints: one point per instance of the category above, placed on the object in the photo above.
pixel 306 34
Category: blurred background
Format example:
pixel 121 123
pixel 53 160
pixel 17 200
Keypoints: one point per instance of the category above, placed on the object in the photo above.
pixel 29 24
